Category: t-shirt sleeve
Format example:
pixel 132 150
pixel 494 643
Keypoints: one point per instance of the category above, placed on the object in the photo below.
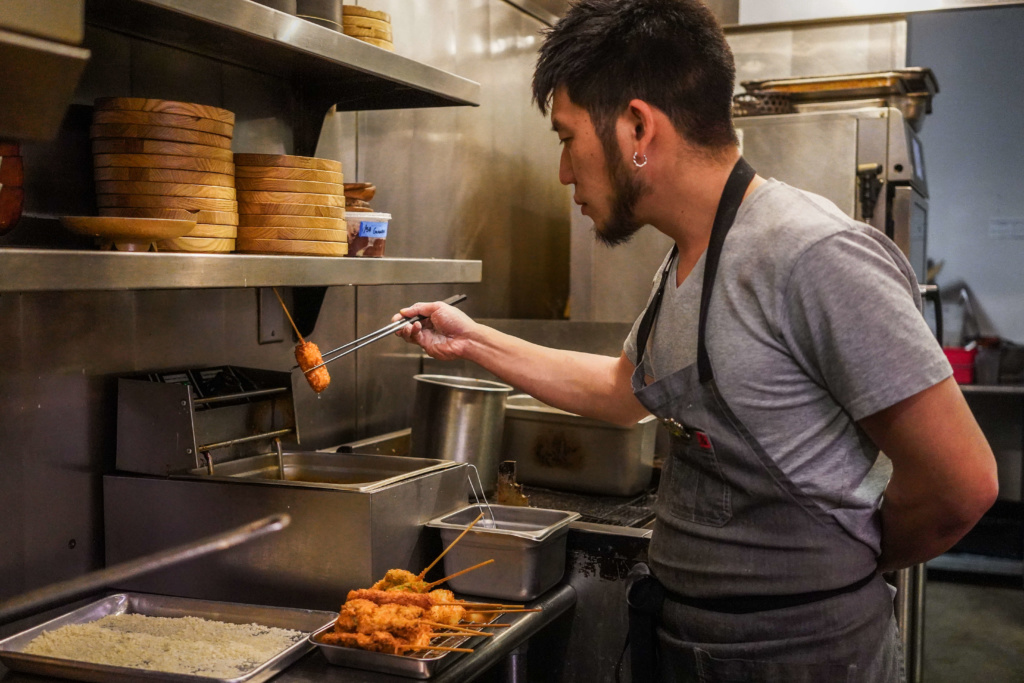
pixel 850 315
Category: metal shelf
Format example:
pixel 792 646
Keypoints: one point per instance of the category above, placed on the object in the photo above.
pixel 46 270
pixel 341 70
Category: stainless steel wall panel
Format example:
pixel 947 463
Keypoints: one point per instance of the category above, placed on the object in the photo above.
pixel 167 73
pixel 263 108
pixel 107 74
pixel 385 370
pixel 849 47
pixel 612 284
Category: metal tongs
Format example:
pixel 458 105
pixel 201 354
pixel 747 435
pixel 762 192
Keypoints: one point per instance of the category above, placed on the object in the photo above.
pixel 346 349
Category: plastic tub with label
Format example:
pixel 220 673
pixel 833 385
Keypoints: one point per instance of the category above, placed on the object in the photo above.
pixel 367 232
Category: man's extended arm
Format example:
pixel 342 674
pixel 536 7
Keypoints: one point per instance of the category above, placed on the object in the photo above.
pixel 582 383
pixel 943 474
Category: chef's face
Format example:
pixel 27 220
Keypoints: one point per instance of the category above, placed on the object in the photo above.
pixel 605 187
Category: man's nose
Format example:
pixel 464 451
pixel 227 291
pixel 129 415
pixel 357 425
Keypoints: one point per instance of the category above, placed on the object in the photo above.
pixel 565 175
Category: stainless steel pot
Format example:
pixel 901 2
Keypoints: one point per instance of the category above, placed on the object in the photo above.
pixel 460 419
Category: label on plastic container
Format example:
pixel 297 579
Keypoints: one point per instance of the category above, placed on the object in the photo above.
pixel 373 229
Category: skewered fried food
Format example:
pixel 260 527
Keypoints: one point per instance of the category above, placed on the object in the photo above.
pixel 382 597
pixel 446 614
pixel 308 356
pixel 380 641
pixel 363 616
pixel 401 580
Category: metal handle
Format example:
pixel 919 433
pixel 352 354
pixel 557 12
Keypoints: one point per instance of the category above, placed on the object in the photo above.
pixel 41 599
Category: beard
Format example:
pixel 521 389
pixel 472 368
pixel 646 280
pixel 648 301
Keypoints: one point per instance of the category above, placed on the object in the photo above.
pixel 627 189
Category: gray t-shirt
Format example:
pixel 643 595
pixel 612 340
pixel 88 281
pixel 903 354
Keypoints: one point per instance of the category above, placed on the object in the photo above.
pixel 814 323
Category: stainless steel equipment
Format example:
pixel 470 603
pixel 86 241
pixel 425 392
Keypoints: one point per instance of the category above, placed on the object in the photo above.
pixel 460 419
pixel 868 160
pixel 213 437
pixel 526 544
pixel 42 65
pixel 177 420
pixel 304 621
pixel 560 450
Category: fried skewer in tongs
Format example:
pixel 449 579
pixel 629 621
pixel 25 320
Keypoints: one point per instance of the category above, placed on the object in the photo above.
pixel 307 354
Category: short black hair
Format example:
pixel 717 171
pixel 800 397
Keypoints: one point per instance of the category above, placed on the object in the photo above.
pixel 669 53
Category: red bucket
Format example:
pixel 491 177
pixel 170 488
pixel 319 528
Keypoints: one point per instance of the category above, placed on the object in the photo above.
pixel 962 361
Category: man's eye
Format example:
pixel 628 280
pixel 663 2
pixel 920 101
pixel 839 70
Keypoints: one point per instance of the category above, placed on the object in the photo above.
pixel 563 141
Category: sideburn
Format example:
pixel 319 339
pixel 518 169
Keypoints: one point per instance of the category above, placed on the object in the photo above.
pixel 627 187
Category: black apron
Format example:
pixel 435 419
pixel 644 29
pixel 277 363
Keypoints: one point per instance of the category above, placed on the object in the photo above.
pixel 746 571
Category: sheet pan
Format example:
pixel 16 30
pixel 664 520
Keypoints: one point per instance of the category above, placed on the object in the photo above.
pixel 305 621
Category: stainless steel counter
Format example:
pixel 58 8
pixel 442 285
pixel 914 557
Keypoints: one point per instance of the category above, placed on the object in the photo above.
pixel 315 668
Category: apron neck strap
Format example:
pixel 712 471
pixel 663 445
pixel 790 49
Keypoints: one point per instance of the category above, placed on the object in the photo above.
pixel 732 196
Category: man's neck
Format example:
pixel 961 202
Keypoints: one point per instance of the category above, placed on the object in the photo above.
pixel 683 205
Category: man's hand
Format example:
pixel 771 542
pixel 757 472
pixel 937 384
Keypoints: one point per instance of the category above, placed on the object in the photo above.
pixel 443 335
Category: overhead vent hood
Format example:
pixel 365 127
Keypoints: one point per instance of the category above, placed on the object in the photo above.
pixel 39 48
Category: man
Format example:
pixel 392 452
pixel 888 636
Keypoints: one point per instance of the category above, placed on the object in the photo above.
pixel 783 347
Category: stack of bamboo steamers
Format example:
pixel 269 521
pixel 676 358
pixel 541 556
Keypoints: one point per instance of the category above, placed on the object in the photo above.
pixel 163 159
pixel 368 26
pixel 290 205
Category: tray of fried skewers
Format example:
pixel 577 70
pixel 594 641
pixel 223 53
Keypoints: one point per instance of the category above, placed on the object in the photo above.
pixel 402 625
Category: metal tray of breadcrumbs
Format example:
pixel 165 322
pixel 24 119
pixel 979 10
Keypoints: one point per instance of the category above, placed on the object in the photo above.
pixel 422 664
pixel 255 660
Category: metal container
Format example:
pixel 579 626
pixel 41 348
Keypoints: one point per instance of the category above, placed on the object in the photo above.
pixel 349 471
pixel 560 450
pixel 326 13
pixel 526 544
pixel 305 621
pixel 422 664
pixel 460 419
pixel 340 537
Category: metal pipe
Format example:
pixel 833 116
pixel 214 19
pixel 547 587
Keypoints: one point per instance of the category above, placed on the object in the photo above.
pixel 244 439
pixel 280 459
pixel 63 592
pixel 243 394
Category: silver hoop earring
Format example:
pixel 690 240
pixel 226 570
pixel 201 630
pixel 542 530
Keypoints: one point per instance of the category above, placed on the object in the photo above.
pixel 639 164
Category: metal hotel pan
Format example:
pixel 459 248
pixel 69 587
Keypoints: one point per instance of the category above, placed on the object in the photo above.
pixel 420 665
pixel 304 621
pixel 526 544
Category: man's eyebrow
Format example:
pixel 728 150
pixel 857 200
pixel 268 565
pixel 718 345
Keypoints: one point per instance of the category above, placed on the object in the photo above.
pixel 555 126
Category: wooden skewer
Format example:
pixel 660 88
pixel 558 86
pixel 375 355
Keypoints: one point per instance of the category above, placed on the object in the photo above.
pixel 439 647
pixel 450 546
pixel 469 569
pixel 457 629
pixel 502 611
pixel 467 605
pixel 490 625
pixel 294 326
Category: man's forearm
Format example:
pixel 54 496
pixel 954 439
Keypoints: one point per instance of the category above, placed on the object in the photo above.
pixel 586 384
pixel 911 535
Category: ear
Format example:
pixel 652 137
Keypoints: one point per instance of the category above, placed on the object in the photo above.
pixel 642 121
